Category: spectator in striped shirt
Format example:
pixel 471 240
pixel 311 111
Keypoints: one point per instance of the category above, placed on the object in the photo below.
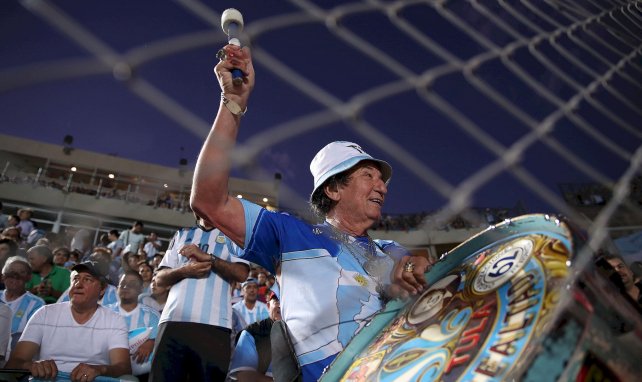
pixel 136 315
pixel 250 310
pixel 158 257
pixel 146 273
pixel 157 297
pixel 194 341
pixel 252 357
pixel 16 273
pixel 5 332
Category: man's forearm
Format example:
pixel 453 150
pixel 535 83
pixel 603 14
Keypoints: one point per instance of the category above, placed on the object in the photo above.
pixel 115 370
pixel 17 363
pixel 211 174
pixel 209 198
pixel 230 271
pixel 167 277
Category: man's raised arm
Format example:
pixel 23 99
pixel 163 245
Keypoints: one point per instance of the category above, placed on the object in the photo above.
pixel 210 199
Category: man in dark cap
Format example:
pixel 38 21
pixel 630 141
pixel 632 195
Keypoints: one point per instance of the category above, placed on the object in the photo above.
pixel 79 339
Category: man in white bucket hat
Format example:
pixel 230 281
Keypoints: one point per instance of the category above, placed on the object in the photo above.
pixel 332 277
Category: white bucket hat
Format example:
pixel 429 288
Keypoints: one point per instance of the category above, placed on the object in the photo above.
pixel 340 156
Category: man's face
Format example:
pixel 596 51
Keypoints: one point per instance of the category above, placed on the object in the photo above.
pixel 250 292
pixel 274 309
pixel 60 258
pixel 364 195
pixel 11 233
pixel 85 290
pixel 15 277
pixel 145 272
pixel 137 228
pixel 152 236
pixel 101 258
pixel 262 278
pixel 156 261
pixel 132 261
pixel 36 261
pixel 156 289
pixel 624 272
pixel 129 288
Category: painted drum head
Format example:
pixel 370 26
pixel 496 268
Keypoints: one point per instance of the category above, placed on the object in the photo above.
pixel 433 300
pixel 481 318
pixel 501 266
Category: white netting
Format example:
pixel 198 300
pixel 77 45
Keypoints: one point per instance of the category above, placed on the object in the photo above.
pixel 546 67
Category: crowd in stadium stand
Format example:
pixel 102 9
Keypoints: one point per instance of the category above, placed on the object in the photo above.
pixel 478 217
pixel 40 268
pixel 44 269
pixel 106 190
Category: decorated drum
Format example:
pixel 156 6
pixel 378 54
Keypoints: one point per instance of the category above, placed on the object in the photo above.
pixel 499 307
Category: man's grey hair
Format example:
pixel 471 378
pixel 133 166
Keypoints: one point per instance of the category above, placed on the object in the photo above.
pixel 42 250
pixel 16 259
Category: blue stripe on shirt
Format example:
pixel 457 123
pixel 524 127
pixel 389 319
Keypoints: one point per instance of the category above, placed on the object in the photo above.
pixel 190 289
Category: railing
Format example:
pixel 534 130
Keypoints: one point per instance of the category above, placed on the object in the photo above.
pixel 152 194
pixel 475 218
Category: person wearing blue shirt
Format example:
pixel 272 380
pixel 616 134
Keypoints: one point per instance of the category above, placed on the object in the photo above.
pixel 136 316
pixel 249 310
pixel 194 334
pixel 333 277
pixel 252 357
pixel 16 273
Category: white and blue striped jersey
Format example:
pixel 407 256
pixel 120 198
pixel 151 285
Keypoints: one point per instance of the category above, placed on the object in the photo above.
pixel 250 316
pixel 326 294
pixel 147 299
pixel 203 300
pixel 142 316
pixel 110 296
pixel 23 308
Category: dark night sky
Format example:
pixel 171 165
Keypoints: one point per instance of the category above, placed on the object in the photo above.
pixel 56 78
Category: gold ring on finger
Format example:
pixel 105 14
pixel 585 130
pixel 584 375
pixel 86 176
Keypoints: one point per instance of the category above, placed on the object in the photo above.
pixel 221 55
pixel 409 267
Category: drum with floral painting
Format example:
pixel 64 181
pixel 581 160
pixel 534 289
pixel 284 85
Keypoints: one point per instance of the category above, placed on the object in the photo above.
pixel 500 306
